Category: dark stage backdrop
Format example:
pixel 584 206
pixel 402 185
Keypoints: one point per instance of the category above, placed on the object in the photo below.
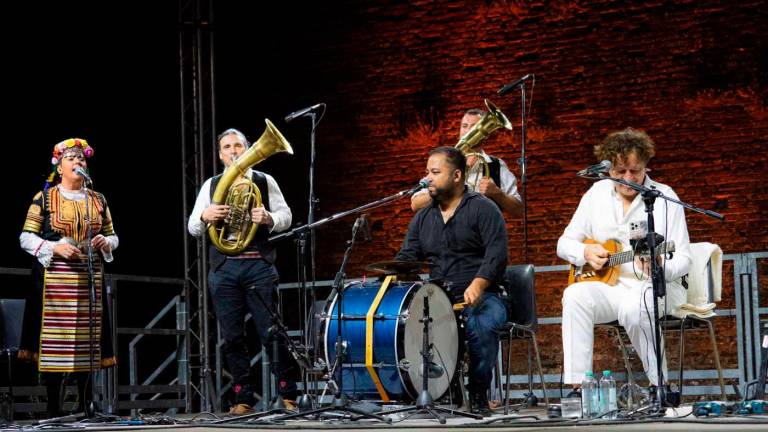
pixel 396 77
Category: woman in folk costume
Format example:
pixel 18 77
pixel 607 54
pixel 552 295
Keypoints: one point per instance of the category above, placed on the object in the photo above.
pixel 56 331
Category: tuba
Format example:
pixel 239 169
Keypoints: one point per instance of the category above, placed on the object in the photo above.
pixel 490 121
pixel 233 234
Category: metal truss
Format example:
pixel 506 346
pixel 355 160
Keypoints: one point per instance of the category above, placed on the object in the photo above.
pixel 198 126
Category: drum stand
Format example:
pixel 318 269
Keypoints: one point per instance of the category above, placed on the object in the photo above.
pixel 425 403
pixel 340 401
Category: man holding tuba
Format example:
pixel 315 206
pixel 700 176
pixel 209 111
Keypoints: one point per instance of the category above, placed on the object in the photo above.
pixel 241 281
pixel 500 185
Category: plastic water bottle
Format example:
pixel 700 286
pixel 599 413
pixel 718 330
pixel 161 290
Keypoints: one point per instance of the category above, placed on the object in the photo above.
pixel 608 395
pixel 589 396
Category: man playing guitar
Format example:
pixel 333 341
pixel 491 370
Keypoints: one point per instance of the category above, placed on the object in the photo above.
pixel 611 211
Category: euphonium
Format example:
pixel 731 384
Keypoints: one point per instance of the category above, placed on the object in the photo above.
pixel 490 121
pixel 232 235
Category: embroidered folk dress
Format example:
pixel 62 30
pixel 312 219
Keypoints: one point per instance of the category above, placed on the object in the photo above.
pixel 56 329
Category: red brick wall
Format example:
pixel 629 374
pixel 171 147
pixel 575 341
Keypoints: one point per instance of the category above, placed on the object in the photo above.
pixel 690 73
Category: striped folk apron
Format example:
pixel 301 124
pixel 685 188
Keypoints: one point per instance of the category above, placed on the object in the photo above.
pixel 65 333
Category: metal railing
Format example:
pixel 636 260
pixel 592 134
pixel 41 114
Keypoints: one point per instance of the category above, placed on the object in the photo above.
pixel 746 316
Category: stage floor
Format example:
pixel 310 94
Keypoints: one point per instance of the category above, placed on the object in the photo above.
pixel 679 419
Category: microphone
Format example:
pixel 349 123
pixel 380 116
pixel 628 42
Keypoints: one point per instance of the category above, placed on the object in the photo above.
pixel 423 184
pixel 81 172
pixel 302 112
pixel 602 167
pixel 365 225
pixel 434 370
pixel 506 89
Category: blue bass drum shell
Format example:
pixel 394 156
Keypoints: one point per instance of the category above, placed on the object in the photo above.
pixel 397 339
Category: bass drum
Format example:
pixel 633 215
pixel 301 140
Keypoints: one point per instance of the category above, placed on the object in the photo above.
pixel 397 339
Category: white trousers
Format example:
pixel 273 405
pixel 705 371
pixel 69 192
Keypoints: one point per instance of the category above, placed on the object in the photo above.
pixel 588 303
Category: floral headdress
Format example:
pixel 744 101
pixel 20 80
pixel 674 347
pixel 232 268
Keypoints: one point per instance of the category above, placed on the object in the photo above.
pixel 62 149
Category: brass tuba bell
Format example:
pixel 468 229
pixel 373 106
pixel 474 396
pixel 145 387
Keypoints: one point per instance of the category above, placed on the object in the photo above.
pixel 233 234
pixel 490 121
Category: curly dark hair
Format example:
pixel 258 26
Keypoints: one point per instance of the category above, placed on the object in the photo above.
pixel 617 146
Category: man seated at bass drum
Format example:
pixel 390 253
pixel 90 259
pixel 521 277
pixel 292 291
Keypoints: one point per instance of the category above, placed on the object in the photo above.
pixel 464 235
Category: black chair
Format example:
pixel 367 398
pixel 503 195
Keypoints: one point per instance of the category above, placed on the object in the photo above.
pixel 522 323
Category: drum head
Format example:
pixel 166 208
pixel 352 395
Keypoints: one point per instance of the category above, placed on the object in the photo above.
pixel 443 333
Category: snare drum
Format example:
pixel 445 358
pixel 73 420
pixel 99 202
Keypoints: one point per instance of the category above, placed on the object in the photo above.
pixel 397 339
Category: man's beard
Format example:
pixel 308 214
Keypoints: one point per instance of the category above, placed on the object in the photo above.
pixel 442 195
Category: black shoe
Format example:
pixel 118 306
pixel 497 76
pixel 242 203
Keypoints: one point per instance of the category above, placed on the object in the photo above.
pixel 244 395
pixel 478 402
pixel 287 389
pixel 575 393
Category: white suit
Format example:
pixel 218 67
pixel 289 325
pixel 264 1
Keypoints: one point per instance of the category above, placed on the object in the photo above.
pixel 600 216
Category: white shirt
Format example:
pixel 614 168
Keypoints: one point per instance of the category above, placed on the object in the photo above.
pixel 43 249
pixel 508 180
pixel 475 173
pixel 279 210
pixel 600 216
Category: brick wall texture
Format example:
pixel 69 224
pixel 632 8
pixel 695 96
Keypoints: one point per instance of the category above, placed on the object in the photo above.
pixel 399 75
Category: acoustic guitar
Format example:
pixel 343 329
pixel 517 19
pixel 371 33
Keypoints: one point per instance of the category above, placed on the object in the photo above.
pixel 609 273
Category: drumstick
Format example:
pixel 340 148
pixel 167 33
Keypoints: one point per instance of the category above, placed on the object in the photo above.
pixel 459 306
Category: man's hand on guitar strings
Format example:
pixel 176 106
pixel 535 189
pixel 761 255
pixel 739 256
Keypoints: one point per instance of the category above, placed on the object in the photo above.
pixel 596 255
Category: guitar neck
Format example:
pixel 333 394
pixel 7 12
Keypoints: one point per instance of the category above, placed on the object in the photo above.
pixel 628 255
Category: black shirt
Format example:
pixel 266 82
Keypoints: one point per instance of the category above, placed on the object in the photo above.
pixel 473 243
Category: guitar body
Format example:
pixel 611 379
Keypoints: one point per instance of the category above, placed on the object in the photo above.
pixel 608 275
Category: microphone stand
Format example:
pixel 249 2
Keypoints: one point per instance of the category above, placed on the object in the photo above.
pixel 89 404
pixel 522 162
pixel 340 401
pixel 530 397
pixel 523 175
pixel 657 271
pixel 425 403
pixel 374 204
pixel 306 401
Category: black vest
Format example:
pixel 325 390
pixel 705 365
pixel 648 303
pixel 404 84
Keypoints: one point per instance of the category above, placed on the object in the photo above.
pixel 494 169
pixel 260 242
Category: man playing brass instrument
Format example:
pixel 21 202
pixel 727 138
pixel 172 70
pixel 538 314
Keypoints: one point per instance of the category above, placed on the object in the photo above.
pixel 501 186
pixel 237 282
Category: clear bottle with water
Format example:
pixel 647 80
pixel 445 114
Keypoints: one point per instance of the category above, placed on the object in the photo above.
pixel 589 396
pixel 608 395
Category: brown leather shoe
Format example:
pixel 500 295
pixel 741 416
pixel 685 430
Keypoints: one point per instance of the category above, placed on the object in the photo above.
pixel 241 409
